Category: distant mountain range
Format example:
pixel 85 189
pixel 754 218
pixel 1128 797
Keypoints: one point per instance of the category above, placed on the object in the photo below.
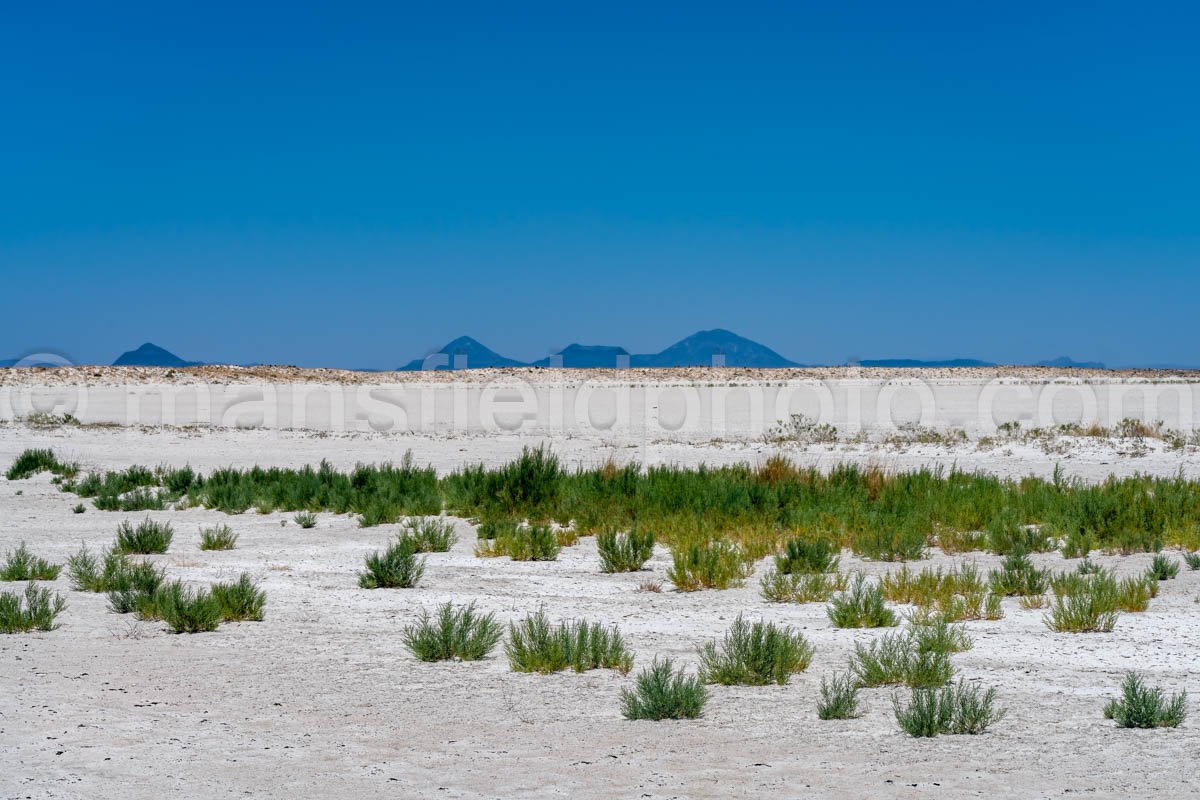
pixel 151 355
pixel 701 349
pixel 704 348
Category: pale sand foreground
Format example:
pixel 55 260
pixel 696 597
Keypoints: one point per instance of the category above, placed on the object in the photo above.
pixel 322 700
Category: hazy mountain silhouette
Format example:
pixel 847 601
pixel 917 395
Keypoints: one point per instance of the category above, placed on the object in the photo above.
pixel 915 363
pixel 699 349
pixel 1068 362
pixel 463 350
pixel 587 356
pixel 151 355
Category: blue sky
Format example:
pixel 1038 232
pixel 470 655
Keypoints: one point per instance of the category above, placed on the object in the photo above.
pixel 353 184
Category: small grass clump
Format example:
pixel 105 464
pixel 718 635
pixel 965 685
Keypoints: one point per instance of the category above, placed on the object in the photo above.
pixel 931 587
pixel 897 659
pixel 535 645
pixel 1143 707
pixel 713 564
pixel 146 537
pixel 803 556
pixel 839 698
pixel 861 605
pixel 661 692
pixel 521 543
pixel 78 508
pixel 1091 610
pixel 778 587
pixel 1018 577
pixel 755 655
pixel 305 519
pixel 955 709
pixel 624 552
pixel 397 567
pixel 218 537
pixel 1192 560
pixel 459 634
pixel 240 601
pixel 127 582
pixel 22 565
pixel 33 610
pixel 430 535
pixel 1163 568
pixel 31 462
pixel 186 610
pixel 940 636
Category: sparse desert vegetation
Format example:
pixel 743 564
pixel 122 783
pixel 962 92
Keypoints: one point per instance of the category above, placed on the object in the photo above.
pixel 396 567
pixel 624 552
pixel 35 609
pixel 537 645
pixel 22 565
pixel 755 654
pixel 461 634
pixel 218 537
pixel 844 538
pixel 662 692
pixel 955 709
pixel 1142 706
pixel 861 605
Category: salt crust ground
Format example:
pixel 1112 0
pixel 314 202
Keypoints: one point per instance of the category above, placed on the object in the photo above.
pixel 321 699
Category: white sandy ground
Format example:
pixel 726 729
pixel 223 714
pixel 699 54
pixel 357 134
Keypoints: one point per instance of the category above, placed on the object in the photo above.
pixel 322 699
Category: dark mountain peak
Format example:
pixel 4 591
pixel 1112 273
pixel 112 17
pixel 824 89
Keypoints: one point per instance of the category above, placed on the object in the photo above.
pixel 151 355
pixel 1066 362
pixel 461 353
pixel 587 356
pixel 700 349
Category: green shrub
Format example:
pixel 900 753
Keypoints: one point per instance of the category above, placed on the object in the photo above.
pixel 776 587
pixel 808 556
pixel 31 462
pixel 895 659
pixel 713 564
pixel 1163 568
pixel 218 537
pixel 34 610
pixel 1017 577
pixel 892 541
pixel 940 636
pixel 1142 707
pixel 955 709
pixel 460 634
pixel 240 601
pixel 112 572
pixel 755 654
pixel 306 519
pixel 662 693
pixel 186 610
pixel 496 528
pixel 395 568
pixel 624 552
pixel 535 645
pixel 839 698
pixel 1006 535
pixel 523 543
pixel 1192 560
pixel 22 565
pixel 1088 567
pixel 78 508
pixel 430 535
pixel 147 537
pixel 861 606
pixel 1092 610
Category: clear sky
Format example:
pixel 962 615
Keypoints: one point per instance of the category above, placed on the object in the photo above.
pixel 350 184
